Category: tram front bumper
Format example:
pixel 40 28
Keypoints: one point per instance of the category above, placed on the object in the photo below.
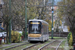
pixel 35 39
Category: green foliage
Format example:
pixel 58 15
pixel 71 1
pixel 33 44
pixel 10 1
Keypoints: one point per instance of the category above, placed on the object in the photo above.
pixel 70 39
pixel 15 36
pixel 20 35
pixel 67 12
pixel 32 13
pixel 60 22
pixel 24 33
pixel 50 23
pixel 68 28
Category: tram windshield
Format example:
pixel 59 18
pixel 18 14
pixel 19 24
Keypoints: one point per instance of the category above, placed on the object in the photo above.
pixel 35 28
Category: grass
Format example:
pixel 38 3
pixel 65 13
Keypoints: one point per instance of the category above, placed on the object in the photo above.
pixel 70 47
pixel 0 45
pixel 63 43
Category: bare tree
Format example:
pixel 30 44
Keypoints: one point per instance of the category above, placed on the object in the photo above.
pixel 67 11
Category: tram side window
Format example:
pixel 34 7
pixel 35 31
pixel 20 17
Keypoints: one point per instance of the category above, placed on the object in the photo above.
pixel 47 29
pixel 44 29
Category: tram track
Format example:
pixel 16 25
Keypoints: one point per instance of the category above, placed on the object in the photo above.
pixel 26 46
pixel 36 46
pixel 12 48
pixel 11 45
pixel 30 47
pixel 59 45
pixel 49 45
pixel 54 45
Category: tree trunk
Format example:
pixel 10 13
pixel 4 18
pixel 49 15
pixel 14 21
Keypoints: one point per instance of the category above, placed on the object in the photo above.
pixel 73 34
pixel 7 39
pixel 23 33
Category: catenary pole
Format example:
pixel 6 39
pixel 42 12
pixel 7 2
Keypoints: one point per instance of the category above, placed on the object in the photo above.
pixel 25 19
pixel 52 19
pixel 10 21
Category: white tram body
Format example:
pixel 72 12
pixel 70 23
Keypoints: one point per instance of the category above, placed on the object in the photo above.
pixel 38 30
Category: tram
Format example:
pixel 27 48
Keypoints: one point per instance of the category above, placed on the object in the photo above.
pixel 37 30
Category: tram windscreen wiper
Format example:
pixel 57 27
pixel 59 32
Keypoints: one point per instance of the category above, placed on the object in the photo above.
pixel 35 28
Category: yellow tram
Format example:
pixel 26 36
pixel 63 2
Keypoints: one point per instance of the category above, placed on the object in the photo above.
pixel 38 30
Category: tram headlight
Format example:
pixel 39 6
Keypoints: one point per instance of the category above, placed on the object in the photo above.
pixel 40 35
pixel 28 35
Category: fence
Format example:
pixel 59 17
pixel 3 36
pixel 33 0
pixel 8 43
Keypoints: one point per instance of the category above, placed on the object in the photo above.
pixel 59 34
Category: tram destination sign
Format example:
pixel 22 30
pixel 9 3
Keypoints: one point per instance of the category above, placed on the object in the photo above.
pixel 34 23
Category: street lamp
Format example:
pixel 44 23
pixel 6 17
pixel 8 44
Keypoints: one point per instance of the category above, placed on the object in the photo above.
pixel 52 19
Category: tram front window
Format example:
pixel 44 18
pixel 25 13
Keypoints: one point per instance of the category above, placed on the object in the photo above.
pixel 34 28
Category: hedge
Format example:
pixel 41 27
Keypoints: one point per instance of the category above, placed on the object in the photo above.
pixel 70 39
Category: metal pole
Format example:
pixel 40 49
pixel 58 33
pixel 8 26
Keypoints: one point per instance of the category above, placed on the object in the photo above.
pixel 10 21
pixel 74 46
pixel 25 19
pixel 44 2
pixel 52 19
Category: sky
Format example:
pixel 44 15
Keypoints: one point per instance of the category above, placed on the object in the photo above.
pixel 55 1
pixel 1 2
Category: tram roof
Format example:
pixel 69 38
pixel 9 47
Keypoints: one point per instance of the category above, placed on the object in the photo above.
pixel 38 20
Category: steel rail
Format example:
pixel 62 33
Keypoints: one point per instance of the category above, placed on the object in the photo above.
pixel 46 45
pixel 12 45
pixel 30 46
pixel 15 46
pixel 59 45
